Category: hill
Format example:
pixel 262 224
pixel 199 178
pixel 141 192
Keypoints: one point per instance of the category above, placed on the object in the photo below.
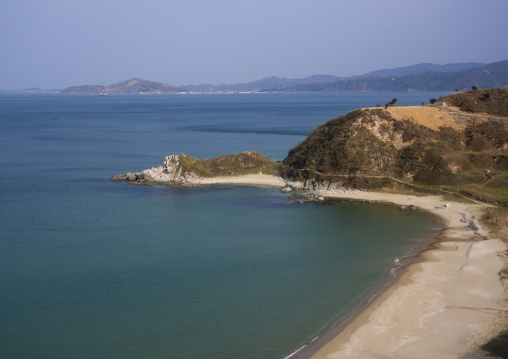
pixel 132 86
pixel 268 82
pixel 422 68
pixel 489 76
pixel 490 101
pixel 370 148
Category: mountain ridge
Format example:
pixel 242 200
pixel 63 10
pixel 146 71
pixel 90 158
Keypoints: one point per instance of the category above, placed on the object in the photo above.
pixel 424 67
pixel 270 84
pixel 419 77
pixel 494 75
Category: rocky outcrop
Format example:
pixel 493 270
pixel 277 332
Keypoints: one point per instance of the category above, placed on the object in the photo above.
pixel 185 170
pixel 171 171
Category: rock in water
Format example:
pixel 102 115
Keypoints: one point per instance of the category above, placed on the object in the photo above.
pixel 170 171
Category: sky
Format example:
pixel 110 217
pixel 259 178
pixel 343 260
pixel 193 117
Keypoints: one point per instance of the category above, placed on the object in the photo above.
pixel 53 44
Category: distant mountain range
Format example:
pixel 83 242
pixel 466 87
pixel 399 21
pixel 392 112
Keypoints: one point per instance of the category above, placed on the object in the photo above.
pixel 270 84
pixel 421 77
pixel 488 76
pixel 266 83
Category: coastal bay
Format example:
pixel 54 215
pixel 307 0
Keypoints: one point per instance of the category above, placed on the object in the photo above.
pixel 100 266
pixel 313 165
pixel 447 302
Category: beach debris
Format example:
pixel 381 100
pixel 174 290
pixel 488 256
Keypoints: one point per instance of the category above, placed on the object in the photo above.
pixel 402 207
pixel 447 205
pixel 412 207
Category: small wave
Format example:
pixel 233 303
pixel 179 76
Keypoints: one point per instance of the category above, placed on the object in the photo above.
pixel 296 351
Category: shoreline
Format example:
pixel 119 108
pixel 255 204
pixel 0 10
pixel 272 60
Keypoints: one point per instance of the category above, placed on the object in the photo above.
pixel 442 305
pixel 446 302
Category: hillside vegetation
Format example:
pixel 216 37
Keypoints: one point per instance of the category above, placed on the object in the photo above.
pixel 489 101
pixel 239 164
pixel 371 149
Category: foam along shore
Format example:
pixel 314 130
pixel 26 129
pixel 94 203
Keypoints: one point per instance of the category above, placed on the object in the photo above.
pixel 446 305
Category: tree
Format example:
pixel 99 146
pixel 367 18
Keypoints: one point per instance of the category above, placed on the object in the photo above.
pixel 474 88
pixel 433 100
pixel 391 103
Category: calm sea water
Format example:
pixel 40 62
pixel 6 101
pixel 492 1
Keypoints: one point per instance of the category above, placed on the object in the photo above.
pixel 91 268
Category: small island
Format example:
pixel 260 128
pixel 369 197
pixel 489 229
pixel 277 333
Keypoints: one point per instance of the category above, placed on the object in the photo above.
pixel 129 87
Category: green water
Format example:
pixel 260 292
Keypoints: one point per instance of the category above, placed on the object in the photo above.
pixel 92 268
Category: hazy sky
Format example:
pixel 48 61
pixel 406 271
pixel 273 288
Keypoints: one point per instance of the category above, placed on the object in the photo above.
pixel 59 43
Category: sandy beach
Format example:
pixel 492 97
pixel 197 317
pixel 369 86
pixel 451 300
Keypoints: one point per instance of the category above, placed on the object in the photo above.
pixel 446 305
pixel 253 179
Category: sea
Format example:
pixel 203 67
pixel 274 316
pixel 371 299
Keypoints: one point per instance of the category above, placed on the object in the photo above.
pixel 92 268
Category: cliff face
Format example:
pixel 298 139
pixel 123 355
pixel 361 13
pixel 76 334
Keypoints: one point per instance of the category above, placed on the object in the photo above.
pixel 366 147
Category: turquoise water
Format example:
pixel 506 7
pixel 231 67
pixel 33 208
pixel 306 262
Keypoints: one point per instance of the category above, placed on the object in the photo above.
pixel 95 268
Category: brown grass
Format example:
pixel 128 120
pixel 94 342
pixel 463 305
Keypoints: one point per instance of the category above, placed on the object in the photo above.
pixel 496 220
pixel 430 117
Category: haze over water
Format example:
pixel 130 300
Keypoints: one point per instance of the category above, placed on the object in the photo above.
pixel 95 268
